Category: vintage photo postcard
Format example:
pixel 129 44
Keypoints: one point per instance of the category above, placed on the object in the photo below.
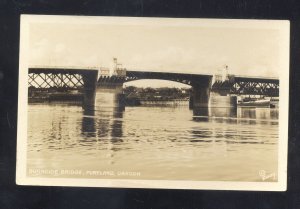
pixel 153 103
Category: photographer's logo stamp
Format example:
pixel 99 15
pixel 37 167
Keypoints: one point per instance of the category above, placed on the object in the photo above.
pixel 265 175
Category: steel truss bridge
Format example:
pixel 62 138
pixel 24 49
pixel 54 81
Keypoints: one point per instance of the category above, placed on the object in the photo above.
pixel 75 79
pixel 64 79
pixel 86 80
pixel 237 85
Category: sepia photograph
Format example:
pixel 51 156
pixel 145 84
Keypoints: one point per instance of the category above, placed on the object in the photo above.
pixel 172 103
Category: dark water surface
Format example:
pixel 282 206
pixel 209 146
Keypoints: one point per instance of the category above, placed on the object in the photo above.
pixel 173 143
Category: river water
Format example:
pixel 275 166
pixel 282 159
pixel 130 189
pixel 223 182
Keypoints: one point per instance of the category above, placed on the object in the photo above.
pixel 151 142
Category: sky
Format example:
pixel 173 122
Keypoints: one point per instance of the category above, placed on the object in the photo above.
pixel 156 47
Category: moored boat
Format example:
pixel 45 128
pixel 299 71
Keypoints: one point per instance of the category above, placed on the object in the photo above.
pixel 255 103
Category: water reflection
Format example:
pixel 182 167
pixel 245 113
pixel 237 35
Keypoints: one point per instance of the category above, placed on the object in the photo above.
pixel 229 112
pixel 274 114
pixel 107 116
pixel 221 115
pixel 200 114
pixel 224 115
pixel 262 116
pixel 199 144
pixel 117 125
pixel 103 124
pixel 247 112
pixel 88 123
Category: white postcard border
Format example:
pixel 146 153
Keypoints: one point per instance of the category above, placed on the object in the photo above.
pixel 22 179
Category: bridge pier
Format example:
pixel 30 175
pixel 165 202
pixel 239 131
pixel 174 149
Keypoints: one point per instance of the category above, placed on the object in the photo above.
pixel 117 90
pixel 199 97
pixel 120 101
pixel 217 101
pixel 89 89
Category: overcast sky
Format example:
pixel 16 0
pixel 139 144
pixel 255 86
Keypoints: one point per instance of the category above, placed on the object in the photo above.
pixel 153 47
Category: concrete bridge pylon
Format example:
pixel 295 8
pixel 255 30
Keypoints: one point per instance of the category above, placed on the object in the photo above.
pixel 89 88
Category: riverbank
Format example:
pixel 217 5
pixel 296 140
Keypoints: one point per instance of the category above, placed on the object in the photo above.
pixel 43 97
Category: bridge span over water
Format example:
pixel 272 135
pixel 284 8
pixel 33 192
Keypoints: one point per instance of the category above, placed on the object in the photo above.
pixel 242 85
pixel 88 80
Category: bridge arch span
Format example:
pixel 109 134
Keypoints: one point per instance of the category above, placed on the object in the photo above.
pixel 200 84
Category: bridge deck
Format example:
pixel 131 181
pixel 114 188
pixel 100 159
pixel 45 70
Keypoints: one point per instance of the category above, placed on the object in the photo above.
pixel 256 79
pixel 60 70
pixel 132 73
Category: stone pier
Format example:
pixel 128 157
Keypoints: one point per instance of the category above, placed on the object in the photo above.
pixel 217 101
pixel 200 94
pixel 89 89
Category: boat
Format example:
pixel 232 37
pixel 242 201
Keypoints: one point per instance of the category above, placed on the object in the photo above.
pixel 255 103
